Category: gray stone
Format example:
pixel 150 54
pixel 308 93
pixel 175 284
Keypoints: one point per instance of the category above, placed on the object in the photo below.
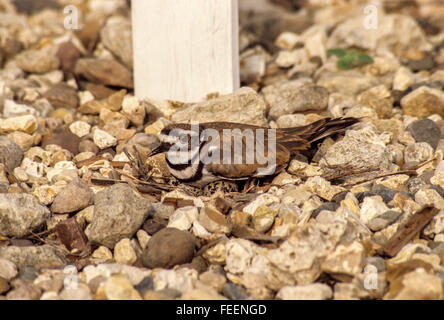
pixel 244 106
pixel 38 257
pixel 306 97
pixel 169 247
pixel 20 214
pixel 116 36
pixel 76 196
pixel 425 130
pixel 10 153
pixel 118 213
pixel 384 220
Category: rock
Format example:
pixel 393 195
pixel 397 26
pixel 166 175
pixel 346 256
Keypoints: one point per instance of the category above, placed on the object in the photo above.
pixel 62 96
pixel 103 139
pixel 418 285
pixel 118 213
pixel 183 218
pixel 303 98
pixel 13 109
pixel 4 286
pixel 8 269
pixel 116 36
pixel 102 253
pixel 363 148
pixel 37 257
pixel 107 72
pixel 263 219
pixel 27 124
pixel 407 35
pixel 213 279
pixel 379 99
pixel 167 248
pixel 181 280
pixel 124 252
pixel 38 61
pixel 429 197
pixel 373 207
pixel 423 102
pixel 425 130
pixel 133 110
pixel 145 285
pixel 24 292
pixel 380 222
pixel 112 102
pixel 288 40
pixel 76 196
pixel 404 78
pixel 315 291
pixel 23 140
pixel 120 288
pixel 68 54
pixel 234 292
pixel 252 64
pixel 213 221
pixel 416 153
pixel 71 235
pixel 350 82
pixel 80 128
pixel 65 140
pixel 75 294
pixel 244 106
pixel 438 176
pixel 323 188
pixel 10 153
pixel 282 90
pixel 345 262
pixel 20 214
pixel 143 237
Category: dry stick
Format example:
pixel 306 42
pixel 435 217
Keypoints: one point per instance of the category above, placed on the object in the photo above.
pixel 408 231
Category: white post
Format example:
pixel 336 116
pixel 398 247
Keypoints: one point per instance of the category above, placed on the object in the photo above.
pixel 185 49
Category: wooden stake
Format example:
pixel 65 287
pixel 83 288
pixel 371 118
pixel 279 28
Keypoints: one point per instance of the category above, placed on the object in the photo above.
pixel 185 49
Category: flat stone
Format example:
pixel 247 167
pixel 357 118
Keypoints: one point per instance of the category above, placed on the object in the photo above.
pixel 244 106
pixel 116 36
pixel 76 196
pixel 425 130
pixel 65 140
pixel 10 153
pixel 423 102
pixel 38 257
pixel 315 291
pixel 27 124
pixel 118 213
pixel 20 214
pixel 303 98
pixel 62 96
pixel 38 61
pixel 108 72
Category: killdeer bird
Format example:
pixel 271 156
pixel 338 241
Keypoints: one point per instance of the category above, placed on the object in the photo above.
pixel 199 154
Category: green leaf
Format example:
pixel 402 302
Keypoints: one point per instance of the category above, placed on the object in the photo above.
pixel 365 59
pixel 337 52
pixel 344 64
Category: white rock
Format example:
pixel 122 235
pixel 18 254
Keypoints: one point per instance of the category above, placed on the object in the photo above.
pixel 8 269
pixel 12 109
pixel 124 252
pixel 418 152
pixel 182 279
pixel 27 124
pixel 315 291
pixel 103 139
pixel 287 40
pixel 239 254
pixel 371 208
pixel 80 128
pixel 183 218
pixel 429 197
pixel 266 199
pixel 143 237
pixel 404 78
pixel 438 177
pixel 323 188
pixel 134 111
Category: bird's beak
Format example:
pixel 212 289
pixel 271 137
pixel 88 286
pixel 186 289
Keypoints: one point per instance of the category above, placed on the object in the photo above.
pixel 161 147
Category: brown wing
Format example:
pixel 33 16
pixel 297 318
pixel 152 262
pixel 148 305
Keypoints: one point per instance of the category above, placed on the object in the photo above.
pixel 250 154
